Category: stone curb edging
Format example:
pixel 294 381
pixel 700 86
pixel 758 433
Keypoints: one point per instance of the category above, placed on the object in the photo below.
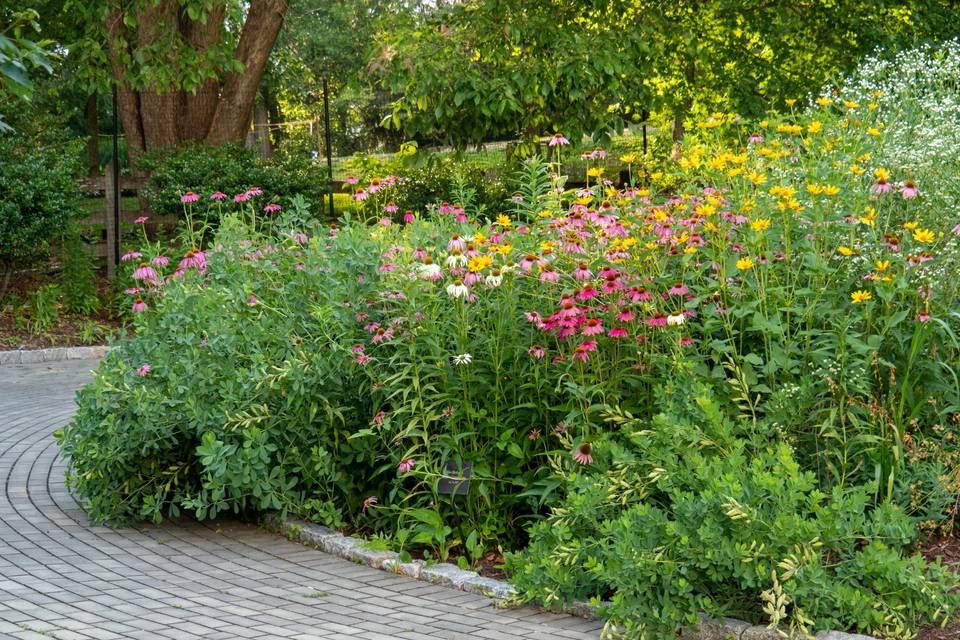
pixel 448 575
pixel 56 354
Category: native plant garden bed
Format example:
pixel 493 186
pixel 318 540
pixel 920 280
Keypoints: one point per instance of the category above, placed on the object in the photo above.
pixel 732 388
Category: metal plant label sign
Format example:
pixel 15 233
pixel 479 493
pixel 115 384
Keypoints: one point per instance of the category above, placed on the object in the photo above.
pixel 456 479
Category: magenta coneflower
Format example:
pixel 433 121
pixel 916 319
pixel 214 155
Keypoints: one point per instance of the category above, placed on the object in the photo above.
pixel 909 190
pixel 139 305
pixel 582 454
pixel 361 359
pixel 273 207
pixel 679 289
pixel 406 464
pixel 593 327
pixel 140 220
pixel 255 191
pixel 189 196
pixel 617 332
pixel 143 370
pixel 626 316
pixel 241 197
pixel 369 502
pixel 408 217
pixel 218 195
pixel 130 255
pixel 657 321
pixel 923 317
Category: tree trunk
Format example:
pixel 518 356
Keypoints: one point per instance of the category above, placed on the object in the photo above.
pixel 218 111
pixel 93 142
pixel 681 112
pixel 259 135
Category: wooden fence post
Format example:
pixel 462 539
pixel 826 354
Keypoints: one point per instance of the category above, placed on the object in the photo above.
pixel 111 222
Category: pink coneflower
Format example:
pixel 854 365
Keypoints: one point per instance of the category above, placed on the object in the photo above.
pixel 537 352
pixel 527 262
pixel 549 275
pixel 909 190
pixel 882 186
pixel 252 300
pixel 273 207
pixel 382 335
pixel 755 138
pixel 255 191
pixel 139 305
pixel 369 502
pixel 132 291
pixel 617 332
pixel 582 454
pixel 457 243
pixel 534 435
pixel 385 222
pixel 406 464
pixel 360 195
pixel 140 220
pixel 626 316
pixel 679 289
pixel 218 195
pixel 361 359
pixel 146 273
pixel 923 317
pixel 387 268
pixel 357 348
pixel 143 370
pixel 582 272
pixel 391 208
pixel 686 341
pixel 241 197
pixel 379 418
pixel 194 258
pixel 161 261
pixel 130 255
pixel 558 140
pixel 189 196
pixel 593 327
pixel 351 180
pixel 408 217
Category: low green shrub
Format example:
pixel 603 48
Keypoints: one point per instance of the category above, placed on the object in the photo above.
pixel 690 510
pixel 231 169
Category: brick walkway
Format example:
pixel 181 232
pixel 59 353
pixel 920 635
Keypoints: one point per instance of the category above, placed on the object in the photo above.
pixel 63 579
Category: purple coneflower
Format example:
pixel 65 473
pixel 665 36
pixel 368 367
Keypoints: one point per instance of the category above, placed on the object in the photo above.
pixel 161 261
pixel 218 195
pixel 140 220
pixel 582 454
pixel 406 465
pixel 909 190
pixel 369 502
pixel 139 305
pixel 145 272
pixel 130 255
pixel 558 140
pixel 143 370
pixel 189 196
pixel 273 207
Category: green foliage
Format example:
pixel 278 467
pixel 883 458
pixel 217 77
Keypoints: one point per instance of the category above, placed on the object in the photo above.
pixel 39 197
pixel 231 169
pixel 78 276
pixel 20 55
pixel 42 308
pixel 690 510
pixel 479 70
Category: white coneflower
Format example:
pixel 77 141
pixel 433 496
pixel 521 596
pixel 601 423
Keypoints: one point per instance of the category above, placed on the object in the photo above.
pixel 463 358
pixel 676 321
pixel 456 259
pixel 430 271
pixel 457 289
pixel 495 279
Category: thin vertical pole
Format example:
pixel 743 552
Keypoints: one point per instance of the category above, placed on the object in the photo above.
pixel 645 115
pixel 326 133
pixel 116 181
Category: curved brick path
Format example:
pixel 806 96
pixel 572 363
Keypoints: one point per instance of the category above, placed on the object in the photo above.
pixel 61 578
